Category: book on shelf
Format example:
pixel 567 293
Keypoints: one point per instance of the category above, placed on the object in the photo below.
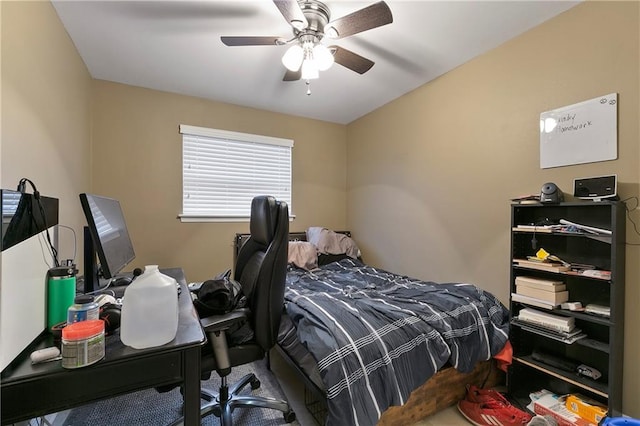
pixel 534 228
pixel 542 266
pixel 565 337
pixel 557 319
pixel 532 325
pixel 532 301
pixel 555 322
pixel 527 199
pixel 547 285
pixel 555 297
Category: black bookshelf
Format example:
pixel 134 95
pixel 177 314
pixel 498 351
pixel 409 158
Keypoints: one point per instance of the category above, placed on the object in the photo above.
pixel 604 345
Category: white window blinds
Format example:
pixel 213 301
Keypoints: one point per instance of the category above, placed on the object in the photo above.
pixel 222 171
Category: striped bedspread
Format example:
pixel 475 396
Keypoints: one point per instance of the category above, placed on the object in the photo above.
pixel 377 335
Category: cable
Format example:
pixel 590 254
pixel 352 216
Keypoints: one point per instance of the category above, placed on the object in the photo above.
pixel 75 241
pixel 113 293
pixel 631 198
pixel 628 210
pixel 45 250
pixel 36 194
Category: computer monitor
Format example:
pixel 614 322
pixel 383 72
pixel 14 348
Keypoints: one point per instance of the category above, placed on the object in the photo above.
pixel 24 215
pixel 105 236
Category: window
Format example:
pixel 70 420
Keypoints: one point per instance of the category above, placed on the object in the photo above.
pixel 222 171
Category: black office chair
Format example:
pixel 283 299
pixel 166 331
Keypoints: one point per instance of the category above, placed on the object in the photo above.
pixel 261 270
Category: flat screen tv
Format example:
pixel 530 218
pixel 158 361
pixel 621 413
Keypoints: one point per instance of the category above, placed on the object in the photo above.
pixel 108 238
pixel 23 216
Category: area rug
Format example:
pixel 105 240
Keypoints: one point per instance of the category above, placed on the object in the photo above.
pixel 152 408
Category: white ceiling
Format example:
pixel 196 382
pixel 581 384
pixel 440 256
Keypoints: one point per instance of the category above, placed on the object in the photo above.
pixel 175 46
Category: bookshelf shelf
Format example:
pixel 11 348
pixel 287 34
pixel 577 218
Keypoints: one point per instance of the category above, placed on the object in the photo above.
pixel 595 344
pixel 572 273
pixel 583 382
pixel 579 315
pixel 603 347
pixel 602 238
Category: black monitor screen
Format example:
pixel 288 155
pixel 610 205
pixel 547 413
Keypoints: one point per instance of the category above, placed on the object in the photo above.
pixel 23 216
pixel 109 235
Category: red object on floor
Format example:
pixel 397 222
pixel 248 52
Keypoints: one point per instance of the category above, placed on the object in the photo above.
pixel 476 394
pixel 492 413
pixel 504 358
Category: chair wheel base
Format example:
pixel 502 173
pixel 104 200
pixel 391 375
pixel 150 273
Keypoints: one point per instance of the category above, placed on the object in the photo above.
pixel 255 384
pixel 289 416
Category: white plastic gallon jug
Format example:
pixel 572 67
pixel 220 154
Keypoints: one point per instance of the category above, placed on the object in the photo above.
pixel 149 314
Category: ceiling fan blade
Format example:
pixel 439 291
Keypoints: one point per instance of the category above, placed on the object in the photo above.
pixel 292 12
pixel 292 75
pixel 376 15
pixel 351 60
pixel 251 40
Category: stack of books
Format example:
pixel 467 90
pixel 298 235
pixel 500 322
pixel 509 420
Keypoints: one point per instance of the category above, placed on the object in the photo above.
pixel 552 326
pixel 539 292
pixel 551 321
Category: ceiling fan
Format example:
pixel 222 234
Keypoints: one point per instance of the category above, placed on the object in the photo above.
pixel 311 23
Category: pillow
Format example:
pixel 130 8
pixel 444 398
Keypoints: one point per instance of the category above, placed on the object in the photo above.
pixel 330 242
pixel 303 255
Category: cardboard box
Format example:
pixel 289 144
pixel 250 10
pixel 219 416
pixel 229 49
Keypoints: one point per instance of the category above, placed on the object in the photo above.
pixel 554 405
pixel 586 407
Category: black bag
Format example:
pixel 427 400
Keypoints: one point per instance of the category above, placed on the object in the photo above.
pixel 218 295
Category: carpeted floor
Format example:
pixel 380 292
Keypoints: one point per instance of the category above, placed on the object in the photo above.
pixel 151 408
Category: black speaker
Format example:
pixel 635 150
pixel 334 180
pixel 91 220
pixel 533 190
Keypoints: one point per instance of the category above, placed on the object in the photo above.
pixel 596 188
pixel 551 194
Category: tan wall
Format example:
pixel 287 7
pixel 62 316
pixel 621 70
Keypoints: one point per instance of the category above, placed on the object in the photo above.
pixel 138 160
pixel 430 175
pixel 46 125
pixel 46 131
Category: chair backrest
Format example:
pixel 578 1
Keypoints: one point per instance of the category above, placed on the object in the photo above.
pixel 261 267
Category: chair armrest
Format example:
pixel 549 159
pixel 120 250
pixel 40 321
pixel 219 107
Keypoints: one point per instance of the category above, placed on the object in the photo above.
pixel 223 322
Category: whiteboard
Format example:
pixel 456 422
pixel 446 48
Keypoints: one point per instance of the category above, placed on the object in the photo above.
pixel 585 132
pixel 23 303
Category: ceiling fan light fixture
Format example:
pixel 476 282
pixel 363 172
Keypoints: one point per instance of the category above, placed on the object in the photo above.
pixel 309 69
pixel 323 57
pixel 292 59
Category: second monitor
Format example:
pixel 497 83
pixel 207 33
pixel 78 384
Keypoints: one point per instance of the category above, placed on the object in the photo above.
pixel 106 240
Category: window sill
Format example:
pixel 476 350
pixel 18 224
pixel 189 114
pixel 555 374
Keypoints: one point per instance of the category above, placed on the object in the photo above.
pixel 217 219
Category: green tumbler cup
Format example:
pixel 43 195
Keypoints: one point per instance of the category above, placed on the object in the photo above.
pixel 61 291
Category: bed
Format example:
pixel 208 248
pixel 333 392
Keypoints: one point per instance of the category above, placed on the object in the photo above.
pixel 373 347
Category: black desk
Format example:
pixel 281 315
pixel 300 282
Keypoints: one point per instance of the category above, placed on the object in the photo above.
pixel 30 391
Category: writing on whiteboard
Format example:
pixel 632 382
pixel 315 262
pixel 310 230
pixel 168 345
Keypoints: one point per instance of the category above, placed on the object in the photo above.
pixel 564 123
pixel 572 125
